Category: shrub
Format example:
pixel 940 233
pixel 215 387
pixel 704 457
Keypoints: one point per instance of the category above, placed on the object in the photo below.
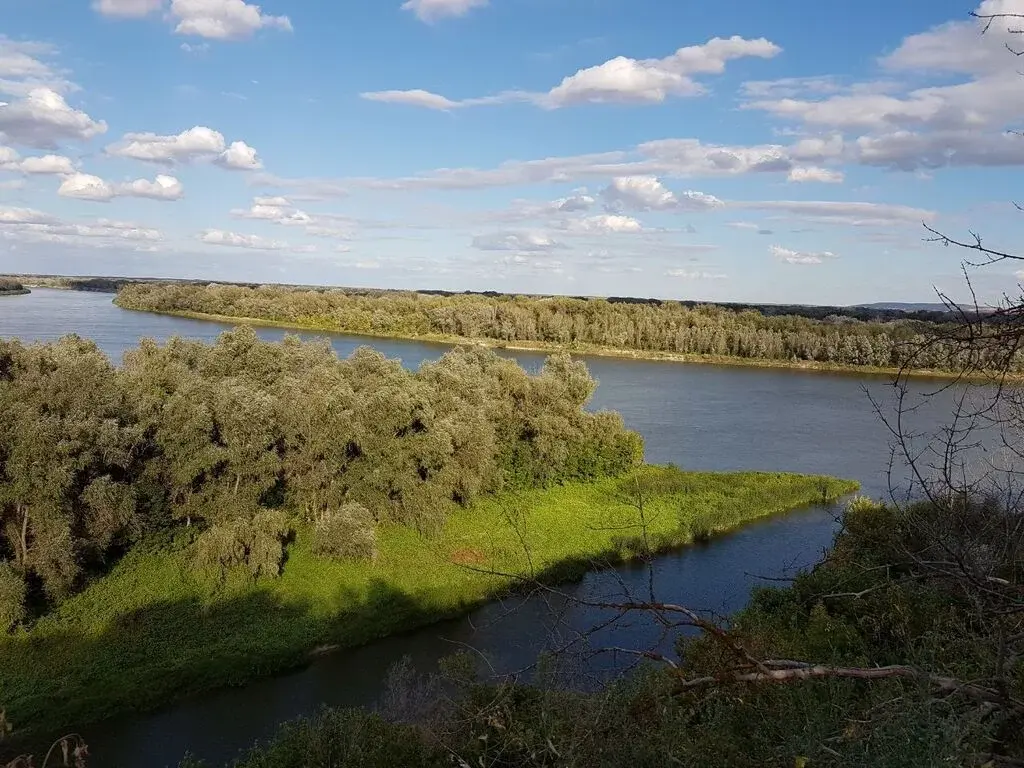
pixel 345 533
pixel 256 543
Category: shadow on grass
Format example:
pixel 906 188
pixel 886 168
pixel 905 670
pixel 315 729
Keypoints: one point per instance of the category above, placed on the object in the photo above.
pixel 171 650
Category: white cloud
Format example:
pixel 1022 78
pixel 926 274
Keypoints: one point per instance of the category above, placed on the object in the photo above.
pixel 195 144
pixel 432 10
pixel 127 8
pixel 814 173
pixel 239 157
pixel 687 274
pixel 24 67
pixel 278 210
pixel 625 80
pixel 45 164
pixel 29 225
pixel 223 19
pixel 669 158
pixel 799 257
pixel 639 193
pixel 83 186
pixel 162 188
pixel 416 97
pixel 603 224
pixel 621 80
pixel 43 118
pixel 890 124
pixel 850 213
pixel 578 201
pixel 235 240
pixel 212 19
pixel 528 242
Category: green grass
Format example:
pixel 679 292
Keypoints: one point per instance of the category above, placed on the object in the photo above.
pixel 154 629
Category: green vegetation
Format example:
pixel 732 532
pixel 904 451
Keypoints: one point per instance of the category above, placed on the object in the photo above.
pixel 156 628
pixel 207 513
pixel 10 287
pixel 657 329
pixel 917 665
pixel 241 440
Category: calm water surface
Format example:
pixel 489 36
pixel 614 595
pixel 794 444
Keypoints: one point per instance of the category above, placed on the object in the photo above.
pixel 696 416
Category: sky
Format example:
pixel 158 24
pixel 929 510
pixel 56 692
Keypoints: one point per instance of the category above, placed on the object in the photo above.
pixel 745 151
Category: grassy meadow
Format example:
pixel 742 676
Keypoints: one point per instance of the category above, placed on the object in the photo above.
pixel 156 628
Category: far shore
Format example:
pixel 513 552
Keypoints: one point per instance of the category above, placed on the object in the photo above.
pixel 597 351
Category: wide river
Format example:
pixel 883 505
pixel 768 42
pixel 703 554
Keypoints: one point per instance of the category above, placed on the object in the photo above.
pixel 696 416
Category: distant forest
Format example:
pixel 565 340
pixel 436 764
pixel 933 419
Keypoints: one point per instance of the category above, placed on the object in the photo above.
pixel 881 312
pixel 851 337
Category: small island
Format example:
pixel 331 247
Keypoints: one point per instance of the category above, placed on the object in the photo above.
pixel 9 287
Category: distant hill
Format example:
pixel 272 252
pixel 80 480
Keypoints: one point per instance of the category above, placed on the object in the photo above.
pixel 903 306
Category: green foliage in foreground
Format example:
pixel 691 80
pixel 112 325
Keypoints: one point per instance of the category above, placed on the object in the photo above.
pixel 848 611
pixel 155 628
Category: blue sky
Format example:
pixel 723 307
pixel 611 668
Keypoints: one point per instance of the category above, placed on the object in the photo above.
pixel 774 152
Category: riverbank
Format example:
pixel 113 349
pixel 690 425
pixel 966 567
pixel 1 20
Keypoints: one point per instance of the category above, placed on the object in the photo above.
pixel 18 292
pixel 155 630
pixel 591 350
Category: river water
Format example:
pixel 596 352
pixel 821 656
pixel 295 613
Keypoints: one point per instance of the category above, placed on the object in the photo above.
pixel 696 416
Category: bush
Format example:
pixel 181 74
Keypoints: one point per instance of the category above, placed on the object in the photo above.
pixel 256 543
pixel 12 597
pixel 346 533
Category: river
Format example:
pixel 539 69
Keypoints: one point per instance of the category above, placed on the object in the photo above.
pixel 696 416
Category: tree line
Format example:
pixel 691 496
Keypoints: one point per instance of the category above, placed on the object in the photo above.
pixel 669 327
pixel 242 442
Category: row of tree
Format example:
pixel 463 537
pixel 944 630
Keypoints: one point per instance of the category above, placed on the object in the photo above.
pixel 574 323
pixel 237 439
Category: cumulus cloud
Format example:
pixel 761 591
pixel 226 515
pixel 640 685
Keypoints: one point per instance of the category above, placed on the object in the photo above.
pixel 814 173
pixel 621 80
pixel 799 257
pixel 236 240
pixel 239 157
pixel 196 144
pixel 578 201
pixel 83 186
pixel 45 164
pixel 43 118
pixel 639 193
pixel 603 224
pixel 211 19
pixel 625 80
pixel 278 210
pixel 432 10
pixel 891 124
pixel 528 242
